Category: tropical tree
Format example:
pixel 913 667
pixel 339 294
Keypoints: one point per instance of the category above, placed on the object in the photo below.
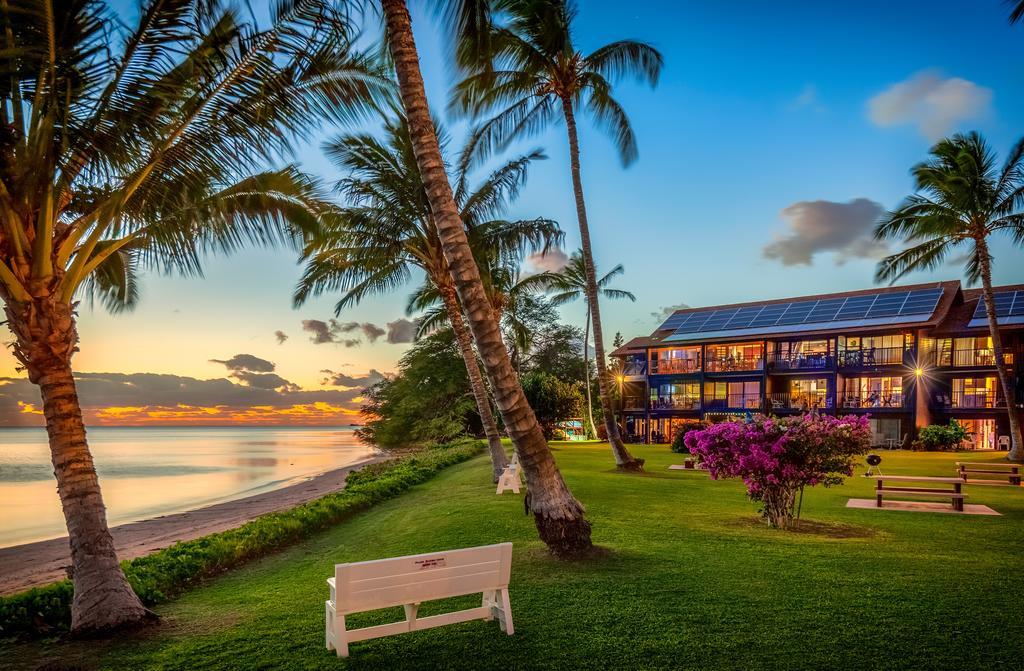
pixel 1017 13
pixel 144 145
pixel 533 72
pixel 963 199
pixel 387 229
pixel 570 283
pixel 557 514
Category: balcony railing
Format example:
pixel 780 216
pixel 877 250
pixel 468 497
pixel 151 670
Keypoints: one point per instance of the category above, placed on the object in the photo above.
pixel 674 366
pixel 974 400
pixel 972 358
pixel 872 399
pixel 814 361
pixel 873 356
pixel 735 402
pixel 635 369
pixel 728 364
pixel 632 403
pixel 804 401
pixel 675 403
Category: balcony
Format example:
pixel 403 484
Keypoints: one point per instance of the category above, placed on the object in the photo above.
pixel 635 369
pixel 970 400
pixel 632 403
pixel 731 364
pixel 685 403
pixel 814 361
pixel 872 400
pixel 735 402
pixel 674 366
pixel 801 400
pixel 874 356
pixel 973 358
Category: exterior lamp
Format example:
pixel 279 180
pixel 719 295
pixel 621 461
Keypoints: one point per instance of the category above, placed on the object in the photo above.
pixel 919 371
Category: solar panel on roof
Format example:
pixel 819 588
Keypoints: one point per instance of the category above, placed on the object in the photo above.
pixel 882 308
pixel 1009 309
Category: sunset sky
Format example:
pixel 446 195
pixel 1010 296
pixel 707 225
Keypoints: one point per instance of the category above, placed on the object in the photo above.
pixel 777 135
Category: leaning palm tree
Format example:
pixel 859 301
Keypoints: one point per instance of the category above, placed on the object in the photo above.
pixel 1017 11
pixel 144 146
pixel 556 512
pixel 533 73
pixel 388 229
pixel 570 283
pixel 512 297
pixel 963 199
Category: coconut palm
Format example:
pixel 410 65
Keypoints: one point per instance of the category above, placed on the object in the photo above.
pixel 144 145
pixel 513 297
pixel 1017 13
pixel 556 512
pixel 534 73
pixel 388 229
pixel 963 199
pixel 570 283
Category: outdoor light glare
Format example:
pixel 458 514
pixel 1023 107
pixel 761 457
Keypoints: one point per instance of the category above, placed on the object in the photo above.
pixel 919 371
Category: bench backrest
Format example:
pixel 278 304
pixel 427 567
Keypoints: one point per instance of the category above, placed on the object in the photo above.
pixel 382 583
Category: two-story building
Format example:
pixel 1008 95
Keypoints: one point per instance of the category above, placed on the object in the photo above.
pixel 907 356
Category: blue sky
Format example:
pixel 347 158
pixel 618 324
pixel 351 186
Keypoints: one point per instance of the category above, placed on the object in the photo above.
pixel 760 106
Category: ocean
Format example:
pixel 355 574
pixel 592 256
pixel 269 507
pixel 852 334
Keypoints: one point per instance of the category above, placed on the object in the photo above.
pixel 148 472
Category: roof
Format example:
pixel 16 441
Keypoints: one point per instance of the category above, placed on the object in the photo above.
pixel 957 319
pixel 928 303
pixel 951 314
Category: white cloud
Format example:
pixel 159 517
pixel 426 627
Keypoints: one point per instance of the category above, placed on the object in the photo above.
pixel 933 103
pixel 826 226
pixel 551 261
pixel 807 99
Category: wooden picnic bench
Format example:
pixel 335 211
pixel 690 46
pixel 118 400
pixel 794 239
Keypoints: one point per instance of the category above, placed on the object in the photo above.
pixel 408 581
pixel 1009 472
pixel 953 493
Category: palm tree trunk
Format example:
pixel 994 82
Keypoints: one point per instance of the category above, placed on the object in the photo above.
pixel 556 512
pixel 586 375
pixel 1016 445
pixel 623 459
pixel 476 381
pixel 46 339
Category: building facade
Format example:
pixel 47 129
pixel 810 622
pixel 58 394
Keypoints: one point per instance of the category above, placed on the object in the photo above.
pixel 907 356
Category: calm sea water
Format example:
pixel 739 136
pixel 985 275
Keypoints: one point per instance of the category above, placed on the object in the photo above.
pixel 146 472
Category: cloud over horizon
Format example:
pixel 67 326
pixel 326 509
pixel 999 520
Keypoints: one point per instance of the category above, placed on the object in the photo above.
pixel 335 332
pixel 352 381
pixel 826 226
pixel 935 104
pixel 114 399
pixel 255 372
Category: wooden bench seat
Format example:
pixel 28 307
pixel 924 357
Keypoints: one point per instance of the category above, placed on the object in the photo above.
pixel 918 488
pixel 408 581
pixel 1009 472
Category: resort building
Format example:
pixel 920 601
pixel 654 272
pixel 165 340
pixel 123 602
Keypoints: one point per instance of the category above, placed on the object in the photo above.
pixel 907 356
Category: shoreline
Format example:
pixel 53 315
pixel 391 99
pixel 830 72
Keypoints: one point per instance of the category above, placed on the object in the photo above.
pixel 42 562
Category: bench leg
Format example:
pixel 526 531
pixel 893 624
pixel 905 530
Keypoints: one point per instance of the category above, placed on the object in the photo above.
pixel 340 636
pixel 506 613
pixel 490 600
pixel 410 614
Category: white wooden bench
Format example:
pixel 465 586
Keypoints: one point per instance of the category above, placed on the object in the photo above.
pixel 409 581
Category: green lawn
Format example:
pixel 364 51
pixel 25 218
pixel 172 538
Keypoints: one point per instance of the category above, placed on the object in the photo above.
pixel 692 580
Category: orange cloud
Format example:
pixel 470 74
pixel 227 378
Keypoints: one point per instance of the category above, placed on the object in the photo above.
pixel 28 409
pixel 318 413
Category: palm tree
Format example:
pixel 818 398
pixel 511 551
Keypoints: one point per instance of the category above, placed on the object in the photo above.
pixel 1017 13
pixel 513 297
pixel 556 512
pixel 534 71
pixel 571 284
pixel 388 229
pixel 145 145
pixel 963 199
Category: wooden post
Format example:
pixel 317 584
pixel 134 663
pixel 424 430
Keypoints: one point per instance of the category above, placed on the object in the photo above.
pixel 878 493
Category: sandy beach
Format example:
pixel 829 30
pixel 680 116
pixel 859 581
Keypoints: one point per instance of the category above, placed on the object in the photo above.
pixel 34 564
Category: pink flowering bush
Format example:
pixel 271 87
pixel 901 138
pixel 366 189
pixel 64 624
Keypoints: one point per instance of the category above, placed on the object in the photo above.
pixel 777 457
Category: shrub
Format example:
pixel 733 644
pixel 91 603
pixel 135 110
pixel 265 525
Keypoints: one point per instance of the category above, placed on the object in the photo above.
pixel 937 438
pixel 679 441
pixel 778 457
pixel 552 400
pixel 161 575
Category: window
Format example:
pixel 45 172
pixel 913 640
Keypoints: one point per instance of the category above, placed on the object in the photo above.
pixel 733 395
pixel 681 360
pixel 884 350
pixel 684 396
pixel 884 429
pixel 741 356
pixel 974 392
pixel 873 392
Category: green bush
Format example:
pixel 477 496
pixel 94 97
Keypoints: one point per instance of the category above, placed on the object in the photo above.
pixel 939 438
pixel 161 575
pixel 677 442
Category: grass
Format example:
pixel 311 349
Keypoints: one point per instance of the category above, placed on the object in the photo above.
pixel 691 579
